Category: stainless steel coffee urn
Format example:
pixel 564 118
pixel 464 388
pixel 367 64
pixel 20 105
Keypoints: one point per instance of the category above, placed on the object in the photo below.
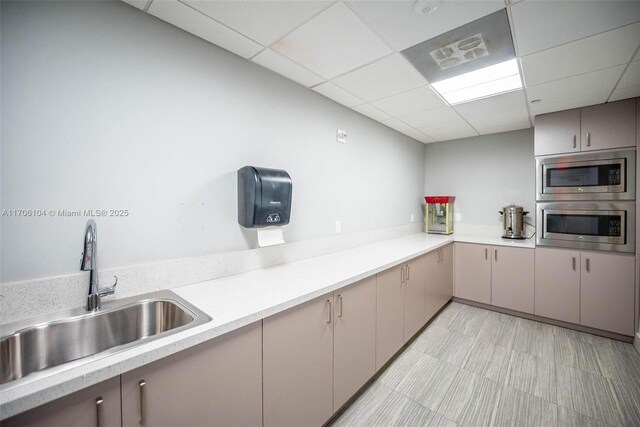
pixel 513 222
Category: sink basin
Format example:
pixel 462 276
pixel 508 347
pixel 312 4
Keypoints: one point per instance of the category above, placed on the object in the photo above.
pixel 76 336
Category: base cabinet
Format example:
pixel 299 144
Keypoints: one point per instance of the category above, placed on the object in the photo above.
pixel 298 365
pixel 354 339
pixel 497 275
pixel 512 284
pixel 607 292
pixel 216 383
pixel 473 272
pixel 594 289
pixel 389 314
pixel 439 288
pixel 415 282
pixel 557 284
pixel 98 405
pixel 318 355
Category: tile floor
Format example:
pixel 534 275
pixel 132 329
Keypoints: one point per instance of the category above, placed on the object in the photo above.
pixel 474 367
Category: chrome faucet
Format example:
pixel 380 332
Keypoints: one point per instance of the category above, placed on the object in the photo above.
pixel 90 262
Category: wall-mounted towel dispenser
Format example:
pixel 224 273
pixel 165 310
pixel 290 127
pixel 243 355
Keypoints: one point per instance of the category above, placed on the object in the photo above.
pixel 264 197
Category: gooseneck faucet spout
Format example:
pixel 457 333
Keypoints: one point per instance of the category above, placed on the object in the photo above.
pixel 90 263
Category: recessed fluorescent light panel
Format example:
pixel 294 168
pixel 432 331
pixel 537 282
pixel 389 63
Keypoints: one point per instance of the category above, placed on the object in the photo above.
pixel 488 81
pixel 470 62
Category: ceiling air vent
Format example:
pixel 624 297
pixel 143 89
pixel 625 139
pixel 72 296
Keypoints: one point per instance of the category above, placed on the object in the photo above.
pixel 473 46
pixel 458 53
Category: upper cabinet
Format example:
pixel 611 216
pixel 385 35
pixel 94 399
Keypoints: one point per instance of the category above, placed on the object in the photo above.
pixel 608 126
pixel 557 132
pixel 599 127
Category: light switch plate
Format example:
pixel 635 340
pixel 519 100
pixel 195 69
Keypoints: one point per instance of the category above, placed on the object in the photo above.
pixel 341 136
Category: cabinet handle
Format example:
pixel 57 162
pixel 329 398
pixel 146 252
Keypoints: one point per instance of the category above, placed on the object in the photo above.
pixel 329 312
pixel 99 412
pixel 142 386
pixel 574 141
pixel 588 139
pixel 486 253
pixel 588 266
pixel 408 272
pixel 401 275
pixel 573 261
pixel 495 254
pixel 340 311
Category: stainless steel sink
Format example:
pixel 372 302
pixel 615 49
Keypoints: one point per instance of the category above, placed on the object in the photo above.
pixel 76 336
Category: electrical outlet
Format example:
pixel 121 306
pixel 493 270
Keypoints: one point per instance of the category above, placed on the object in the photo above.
pixel 412 218
pixel 341 136
pixel 338 227
pixel 457 217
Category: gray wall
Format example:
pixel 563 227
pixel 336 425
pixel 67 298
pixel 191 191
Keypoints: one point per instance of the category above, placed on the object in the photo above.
pixel 105 107
pixel 485 173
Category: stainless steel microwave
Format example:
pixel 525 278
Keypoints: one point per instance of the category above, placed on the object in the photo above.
pixel 604 175
pixel 607 226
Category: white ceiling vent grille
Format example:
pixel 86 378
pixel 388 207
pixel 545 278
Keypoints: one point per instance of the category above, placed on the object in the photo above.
pixel 460 52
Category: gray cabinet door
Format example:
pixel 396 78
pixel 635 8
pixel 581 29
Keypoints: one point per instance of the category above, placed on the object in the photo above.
pixel 472 272
pixel 439 280
pixel 298 365
pixel 557 284
pixel 216 383
pixel 611 125
pixel 80 409
pixel 414 296
pixel 607 292
pixel 557 133
pixel 354 339
pixel 512 283
pixel 389 315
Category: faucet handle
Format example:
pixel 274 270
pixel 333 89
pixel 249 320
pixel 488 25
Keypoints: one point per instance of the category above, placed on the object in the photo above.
pixel 109 290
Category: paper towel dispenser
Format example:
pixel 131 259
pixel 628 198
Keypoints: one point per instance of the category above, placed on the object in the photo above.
pixel 264 197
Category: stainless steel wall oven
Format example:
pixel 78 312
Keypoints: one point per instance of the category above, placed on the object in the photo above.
pixel 605 175
pixel 606 226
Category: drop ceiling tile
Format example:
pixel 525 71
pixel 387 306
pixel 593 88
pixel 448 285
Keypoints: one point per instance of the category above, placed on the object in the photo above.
pixel 418 136
pixel 262 21
pixel 332 43
pixel 543 24
pixel 593 53
pixel 513 125
pixel 397 23
pixel 196 23
pixel 140 4
pixel 578 91
pixel 339 95
pixel 509 109
pixel 488 106
pixel 631 77
pixel 447 131
pixel 412 101
pixel 396 124
pixel 372 112
pixel 431 117
pixel 625 93
pixel 286 67
pixel 389 76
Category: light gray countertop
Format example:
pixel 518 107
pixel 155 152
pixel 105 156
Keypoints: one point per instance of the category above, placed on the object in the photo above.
pixel 233 302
